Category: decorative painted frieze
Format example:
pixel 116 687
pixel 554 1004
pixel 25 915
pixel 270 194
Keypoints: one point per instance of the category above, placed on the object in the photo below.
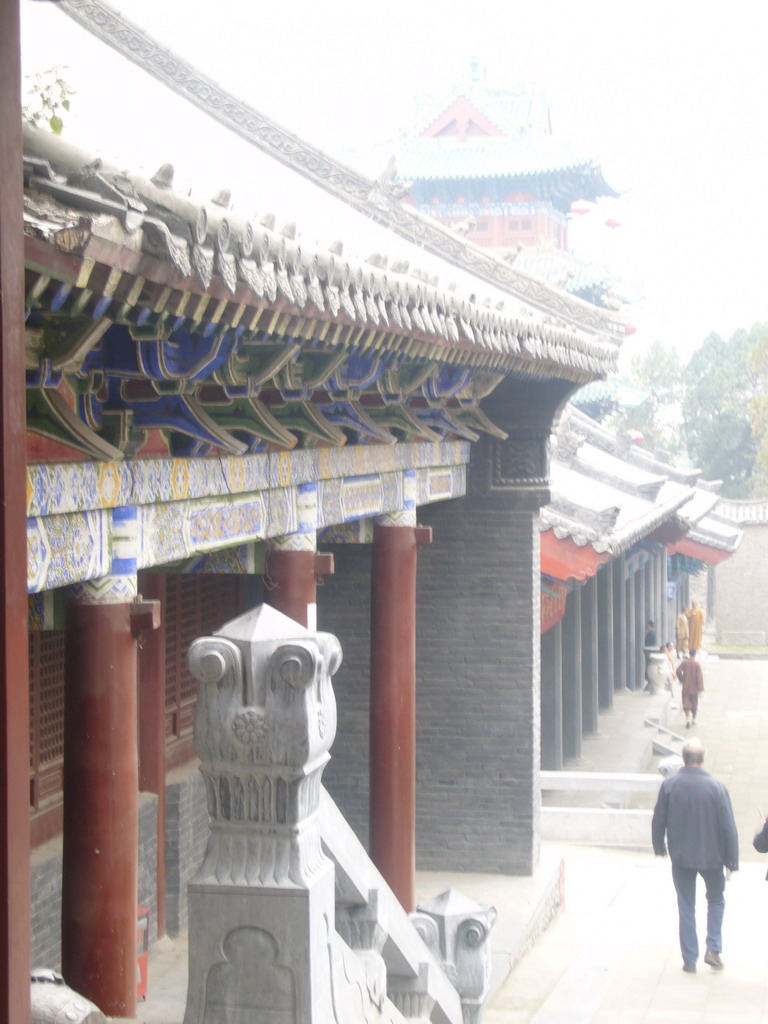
pixel 191 507
pixel 83 486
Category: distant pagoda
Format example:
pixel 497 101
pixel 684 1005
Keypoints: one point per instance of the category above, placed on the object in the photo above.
pixel 484 160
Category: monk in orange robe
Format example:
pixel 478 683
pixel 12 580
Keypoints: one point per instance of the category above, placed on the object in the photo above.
pixel 695 626
pixel 690 675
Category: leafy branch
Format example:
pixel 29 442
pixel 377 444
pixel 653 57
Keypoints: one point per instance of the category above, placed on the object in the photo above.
pixel 49 97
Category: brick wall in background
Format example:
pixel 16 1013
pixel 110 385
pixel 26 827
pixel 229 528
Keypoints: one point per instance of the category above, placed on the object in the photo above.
pixel 343 608
pixel 186 834
pixel 45 903
pixel 478 745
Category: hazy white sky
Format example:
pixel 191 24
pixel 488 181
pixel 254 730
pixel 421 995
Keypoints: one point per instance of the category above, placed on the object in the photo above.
pixel 670 94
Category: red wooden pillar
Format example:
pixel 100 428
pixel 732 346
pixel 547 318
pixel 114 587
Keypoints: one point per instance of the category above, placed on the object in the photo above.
pixel 99 873
pixel 152 726
pixel 14 687
pixel 393 707
pixel 292 583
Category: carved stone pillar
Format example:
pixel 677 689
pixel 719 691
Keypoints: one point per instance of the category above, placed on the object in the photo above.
pixel 457 933
pixel 393 702
pixel 261 906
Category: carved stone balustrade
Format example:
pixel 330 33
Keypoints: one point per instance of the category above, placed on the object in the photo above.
pixel 456 930
pixel 261 907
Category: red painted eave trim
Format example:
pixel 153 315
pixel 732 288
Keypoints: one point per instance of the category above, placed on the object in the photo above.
pixel 695 549
pixel 566 560
pixel 668 533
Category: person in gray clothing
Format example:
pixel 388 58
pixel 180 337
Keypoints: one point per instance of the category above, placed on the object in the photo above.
pixel 694 813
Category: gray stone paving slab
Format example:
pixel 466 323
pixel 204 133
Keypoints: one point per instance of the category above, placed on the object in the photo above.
pixel 613 955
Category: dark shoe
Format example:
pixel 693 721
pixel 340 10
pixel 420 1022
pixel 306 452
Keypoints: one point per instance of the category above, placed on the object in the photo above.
pixel 713 959
pixel 689 968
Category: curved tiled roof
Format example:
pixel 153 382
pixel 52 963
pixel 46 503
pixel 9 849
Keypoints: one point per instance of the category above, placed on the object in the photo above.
pixel 518 156
pixel 610 494
pixel 74 201
pixel 378 200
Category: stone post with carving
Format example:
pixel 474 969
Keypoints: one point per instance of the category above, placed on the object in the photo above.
pixel 261 907
pixel 457 931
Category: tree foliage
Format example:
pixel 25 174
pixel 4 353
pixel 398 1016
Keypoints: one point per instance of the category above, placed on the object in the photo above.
pixel 659 372
pixel 720 386
pixel 758 415
pixel 49 97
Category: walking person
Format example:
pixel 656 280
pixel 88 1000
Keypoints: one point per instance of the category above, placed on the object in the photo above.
pixel 690 675
pixel 760 842
pixel 695 625
pixel 693 817
pixel 681 634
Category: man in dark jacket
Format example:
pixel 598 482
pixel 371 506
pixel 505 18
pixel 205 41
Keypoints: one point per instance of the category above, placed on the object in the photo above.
pixel 694 812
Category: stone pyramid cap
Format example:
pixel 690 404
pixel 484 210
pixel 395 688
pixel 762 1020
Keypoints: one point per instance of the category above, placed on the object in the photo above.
pixel 451 903
pixel 260 624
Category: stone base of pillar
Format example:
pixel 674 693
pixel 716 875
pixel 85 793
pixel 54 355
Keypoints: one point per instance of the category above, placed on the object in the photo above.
pixel 262 955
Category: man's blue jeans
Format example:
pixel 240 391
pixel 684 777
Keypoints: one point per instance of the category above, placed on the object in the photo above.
pixel 685 886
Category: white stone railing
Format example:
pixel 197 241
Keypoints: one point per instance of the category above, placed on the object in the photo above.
pixel 608 825
pixel 289 920
pixel 412 972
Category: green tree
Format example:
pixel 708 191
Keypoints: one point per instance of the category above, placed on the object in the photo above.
pixel 658 371
pixel 719 388
pixel 48 97
pixel 758 416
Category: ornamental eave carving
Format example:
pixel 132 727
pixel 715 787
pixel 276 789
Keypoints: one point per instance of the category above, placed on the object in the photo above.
pixel 379 200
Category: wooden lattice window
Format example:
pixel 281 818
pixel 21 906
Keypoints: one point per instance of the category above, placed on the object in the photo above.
pixel 194 606
pixel 46 719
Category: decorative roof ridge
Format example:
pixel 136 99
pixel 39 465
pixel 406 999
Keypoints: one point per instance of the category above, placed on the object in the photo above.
pixel 702 535
pixel 743 510
pixel 121 210
pixel 622 447
pixel 469 91
pixel 379 200
pixel 487 99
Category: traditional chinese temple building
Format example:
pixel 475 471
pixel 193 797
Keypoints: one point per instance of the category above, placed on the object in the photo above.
pixel 621 538
pixel 484 160
pixel 221 413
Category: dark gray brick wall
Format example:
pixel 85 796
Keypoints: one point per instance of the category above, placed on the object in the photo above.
pixel 478 744
pixel 344 608
pixel 478 700
pixel 186 833
pixel 45 902
pixel 148 858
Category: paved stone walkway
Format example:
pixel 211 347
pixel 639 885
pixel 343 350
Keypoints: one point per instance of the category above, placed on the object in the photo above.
pixel 612 955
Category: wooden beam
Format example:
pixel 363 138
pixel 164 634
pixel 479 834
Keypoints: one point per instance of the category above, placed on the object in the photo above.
pixel 14 669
